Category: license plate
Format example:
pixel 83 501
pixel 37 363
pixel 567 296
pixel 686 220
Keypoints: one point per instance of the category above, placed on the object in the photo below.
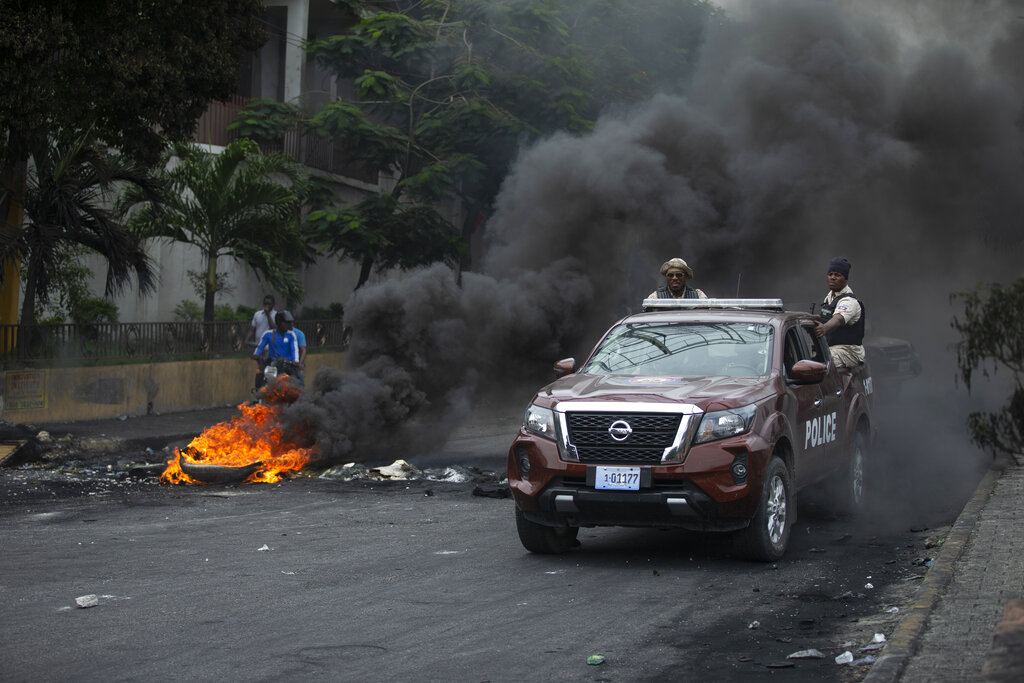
pixel 617 478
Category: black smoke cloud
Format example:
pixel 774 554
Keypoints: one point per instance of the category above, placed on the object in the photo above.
pixel 426 343
pixel 889 133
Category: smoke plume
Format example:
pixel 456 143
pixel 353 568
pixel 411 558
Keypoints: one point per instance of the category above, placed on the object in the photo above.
pixel 889 133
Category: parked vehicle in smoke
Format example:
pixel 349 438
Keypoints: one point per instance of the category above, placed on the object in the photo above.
pixel 707 415
pixel 892 362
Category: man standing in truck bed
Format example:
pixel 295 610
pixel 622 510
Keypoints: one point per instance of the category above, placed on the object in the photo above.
pixel 677 274
pixel 842 317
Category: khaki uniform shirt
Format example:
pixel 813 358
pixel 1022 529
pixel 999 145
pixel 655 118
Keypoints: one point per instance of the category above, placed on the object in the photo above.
pixel 846 355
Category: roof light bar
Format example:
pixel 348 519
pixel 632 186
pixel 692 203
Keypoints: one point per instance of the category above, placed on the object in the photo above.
pixel 676 304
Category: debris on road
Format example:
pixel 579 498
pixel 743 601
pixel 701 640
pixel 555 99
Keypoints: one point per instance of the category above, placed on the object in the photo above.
pixel 845 658
pixel 595 660
pixel 497 491
pixel 400 470
pixel 754 625
pixel 14 453
pixel 85 601
pixel 807 654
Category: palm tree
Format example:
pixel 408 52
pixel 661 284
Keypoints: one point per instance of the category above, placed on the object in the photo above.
pixel 68 197
pixel 240 203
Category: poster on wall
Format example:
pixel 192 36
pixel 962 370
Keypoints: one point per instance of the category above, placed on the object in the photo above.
pixel 25 390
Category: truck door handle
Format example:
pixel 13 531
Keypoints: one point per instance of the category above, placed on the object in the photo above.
pixel 839 392
pixel 817 403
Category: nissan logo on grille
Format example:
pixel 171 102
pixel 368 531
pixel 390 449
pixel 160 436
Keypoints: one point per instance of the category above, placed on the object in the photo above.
pixel 620 430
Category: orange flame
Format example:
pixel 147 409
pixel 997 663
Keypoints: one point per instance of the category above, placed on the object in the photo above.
pixel 255 436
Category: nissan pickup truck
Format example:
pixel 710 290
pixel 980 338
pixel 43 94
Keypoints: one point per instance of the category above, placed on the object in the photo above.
pixel 708 415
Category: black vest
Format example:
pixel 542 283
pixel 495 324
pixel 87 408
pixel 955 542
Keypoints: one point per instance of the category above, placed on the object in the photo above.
pixel 688 293
pixel 852 335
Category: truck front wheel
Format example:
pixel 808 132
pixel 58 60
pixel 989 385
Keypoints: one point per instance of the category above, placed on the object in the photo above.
pixel 546 540
pixel 768 534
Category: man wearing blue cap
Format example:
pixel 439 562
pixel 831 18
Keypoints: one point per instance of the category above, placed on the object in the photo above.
pixel 842 317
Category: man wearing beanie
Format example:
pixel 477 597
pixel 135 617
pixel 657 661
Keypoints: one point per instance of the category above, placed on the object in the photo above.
pixel 677 273
pixel 842 317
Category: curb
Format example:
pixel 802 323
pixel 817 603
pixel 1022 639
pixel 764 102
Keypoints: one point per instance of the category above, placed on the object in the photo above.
pixel 904 641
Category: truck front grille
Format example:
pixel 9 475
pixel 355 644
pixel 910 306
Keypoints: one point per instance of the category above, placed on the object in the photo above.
pixel 651 433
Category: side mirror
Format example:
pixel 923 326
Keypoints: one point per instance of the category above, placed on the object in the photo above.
pixel 808 372
pixel 564 367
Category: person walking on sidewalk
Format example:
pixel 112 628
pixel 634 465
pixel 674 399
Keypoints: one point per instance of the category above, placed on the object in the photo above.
pixel 262 320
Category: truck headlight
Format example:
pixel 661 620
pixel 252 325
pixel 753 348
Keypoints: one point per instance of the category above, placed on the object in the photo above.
pixel 723 423
pixel 540 421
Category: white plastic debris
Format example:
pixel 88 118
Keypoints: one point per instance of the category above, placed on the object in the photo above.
pixel 87 601
pixel 845 658
pixel 807 654
pixel 399 469
pixel 892 610
pixel 754 625
pixel 879 638
pixel 43 437
pixel 264 547
pixel 868 585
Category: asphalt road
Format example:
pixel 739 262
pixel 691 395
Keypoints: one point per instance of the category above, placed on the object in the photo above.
pixel 319 579
pixel 315 579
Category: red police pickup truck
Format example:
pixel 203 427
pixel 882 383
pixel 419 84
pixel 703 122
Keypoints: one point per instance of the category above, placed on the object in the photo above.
pixel 706 414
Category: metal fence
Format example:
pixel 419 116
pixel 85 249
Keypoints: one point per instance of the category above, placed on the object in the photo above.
pixel 102 343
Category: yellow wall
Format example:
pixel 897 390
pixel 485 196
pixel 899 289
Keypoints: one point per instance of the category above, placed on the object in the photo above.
pixel 71 394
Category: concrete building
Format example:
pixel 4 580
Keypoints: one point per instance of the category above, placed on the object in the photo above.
pixel 280 71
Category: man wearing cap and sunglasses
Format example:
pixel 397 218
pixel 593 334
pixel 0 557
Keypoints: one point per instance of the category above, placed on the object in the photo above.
pixel 677 274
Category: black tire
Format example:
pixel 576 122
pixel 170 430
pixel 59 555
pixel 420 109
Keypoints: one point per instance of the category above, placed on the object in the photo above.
pixel 766 538
pixel 847 488
pixel 546 540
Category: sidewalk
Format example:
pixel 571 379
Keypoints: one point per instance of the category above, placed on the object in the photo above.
pixel 948 632
pixel 153 431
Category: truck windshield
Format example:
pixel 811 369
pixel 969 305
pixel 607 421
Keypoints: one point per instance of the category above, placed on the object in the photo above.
pixel 684 350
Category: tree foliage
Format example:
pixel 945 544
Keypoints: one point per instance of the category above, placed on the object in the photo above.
pixel 239 204
pixel 993 337
pixel 70 190
pixel 134 72
pixel 445 92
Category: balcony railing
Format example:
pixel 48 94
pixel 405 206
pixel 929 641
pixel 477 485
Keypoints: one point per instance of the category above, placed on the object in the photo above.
pixel 301 144
pixel 109 343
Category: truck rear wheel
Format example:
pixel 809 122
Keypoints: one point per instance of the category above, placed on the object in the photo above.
pixel 546 540
pixel 847 487
pixel 768 534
